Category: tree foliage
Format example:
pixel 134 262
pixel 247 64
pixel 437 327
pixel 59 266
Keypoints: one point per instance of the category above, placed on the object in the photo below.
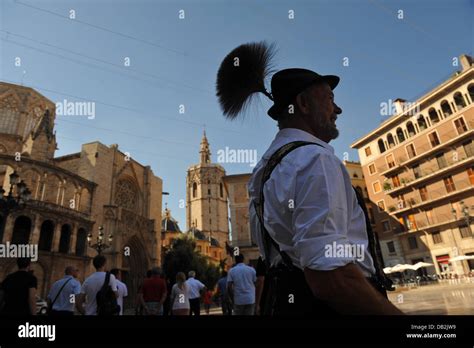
pixel 182 257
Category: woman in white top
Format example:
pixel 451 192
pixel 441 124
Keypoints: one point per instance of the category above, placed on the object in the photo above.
pixel 180 296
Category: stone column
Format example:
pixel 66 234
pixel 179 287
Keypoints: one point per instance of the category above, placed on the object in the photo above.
pixel 57 236
pixel 35 235
pixel 7 235
pixel 72 244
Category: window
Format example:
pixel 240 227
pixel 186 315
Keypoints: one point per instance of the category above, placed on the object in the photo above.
pixel 368 152
pixel 434 118
pixel 437 237
pixel 401 202
pixel 386 226
pixel 395 181
pixel 381 205
pixel 460 125
pixel 423 193
pixel 421 123
pixel 381 146
pixel 459 101
pixel 465 231
pixel 441 161
pixel 446 108
pixel 434 140
pixel 469 148
pixel 411 223
pixel 413 244
pixel 449 184
pixel 372 169
pixel 194 190
pixel 411 151
pixel 417 172
pixel 400 135
pixel 470 173
pixel 355 175
pixel 390 161
pixel 376 186
pixel 391 247
pixel 221 190
pixel 199 248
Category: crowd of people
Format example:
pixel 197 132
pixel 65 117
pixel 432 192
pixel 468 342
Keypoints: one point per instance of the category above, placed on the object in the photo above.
pixel 103 292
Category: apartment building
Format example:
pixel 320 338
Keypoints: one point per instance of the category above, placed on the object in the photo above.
pixel 419 170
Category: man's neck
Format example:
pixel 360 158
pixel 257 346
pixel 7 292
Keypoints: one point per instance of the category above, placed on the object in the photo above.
pixel 305 128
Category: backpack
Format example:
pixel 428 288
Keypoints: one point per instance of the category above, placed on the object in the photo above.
pixel 106 299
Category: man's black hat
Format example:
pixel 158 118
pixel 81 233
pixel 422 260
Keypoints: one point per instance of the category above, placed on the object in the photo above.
pixel 288 83
pixel 243 73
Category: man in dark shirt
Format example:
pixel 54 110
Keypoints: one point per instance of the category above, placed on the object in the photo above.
pixel 153 293
pixel 20 291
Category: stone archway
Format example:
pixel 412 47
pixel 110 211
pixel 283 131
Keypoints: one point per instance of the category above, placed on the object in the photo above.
pixel 21 230
pixel 134 266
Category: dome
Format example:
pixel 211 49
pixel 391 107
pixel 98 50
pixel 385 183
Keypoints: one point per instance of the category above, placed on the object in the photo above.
pixel 168 224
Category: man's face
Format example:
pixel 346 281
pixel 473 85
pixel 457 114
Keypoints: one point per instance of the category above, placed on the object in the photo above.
pixel 322 112
pixel 75 273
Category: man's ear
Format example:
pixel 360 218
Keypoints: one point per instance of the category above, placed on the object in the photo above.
pixel 302 103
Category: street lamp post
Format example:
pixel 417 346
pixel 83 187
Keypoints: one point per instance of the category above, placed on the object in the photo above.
pixel 100 245
pixel 9 202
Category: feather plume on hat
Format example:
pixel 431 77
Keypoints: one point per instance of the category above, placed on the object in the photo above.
pixel 242 74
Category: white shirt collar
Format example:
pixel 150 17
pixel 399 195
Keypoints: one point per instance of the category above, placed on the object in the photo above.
pixel 294 134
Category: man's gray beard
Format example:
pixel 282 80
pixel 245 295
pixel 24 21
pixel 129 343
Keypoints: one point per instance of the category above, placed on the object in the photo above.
pixel 331 131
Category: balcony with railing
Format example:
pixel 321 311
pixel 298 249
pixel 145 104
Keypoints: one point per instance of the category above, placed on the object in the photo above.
pixel 457 188
pixel 57 209
pixel 401 162
pixel 423 175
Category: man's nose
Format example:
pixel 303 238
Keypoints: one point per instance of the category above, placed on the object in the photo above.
pixel 337 109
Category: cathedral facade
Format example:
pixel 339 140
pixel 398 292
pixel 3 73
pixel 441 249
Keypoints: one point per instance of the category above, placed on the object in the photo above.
pixel 72 196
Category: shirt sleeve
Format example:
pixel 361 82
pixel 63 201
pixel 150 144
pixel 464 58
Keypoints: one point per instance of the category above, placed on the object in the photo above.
pixel 320 217
pixel 113 283
pixel 76 289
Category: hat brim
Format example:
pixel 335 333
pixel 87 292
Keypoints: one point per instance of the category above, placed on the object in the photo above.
pixel 332 81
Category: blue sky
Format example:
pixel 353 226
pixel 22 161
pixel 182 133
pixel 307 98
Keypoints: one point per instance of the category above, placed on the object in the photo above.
pixel 174 62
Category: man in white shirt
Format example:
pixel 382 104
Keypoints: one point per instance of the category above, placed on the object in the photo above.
pixel 86 302
pixel 122 290
pixel 310 210
pixel 63 292
pixel 241 281
pixel 196 288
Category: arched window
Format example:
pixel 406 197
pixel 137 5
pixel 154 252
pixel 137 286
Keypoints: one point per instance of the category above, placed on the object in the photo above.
pixel 221 190
pixel 470 89
pixel 21 230
pixel 421 122
pixel 194 189
pixel 355 175
pixel 434 118
pixel 411 129
pixel 65 239
pixel 446 108
pixel 390 141
pixel 381 146
pixel 81 242
pixel 400 135
pixel 46 236
pixel 459 100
